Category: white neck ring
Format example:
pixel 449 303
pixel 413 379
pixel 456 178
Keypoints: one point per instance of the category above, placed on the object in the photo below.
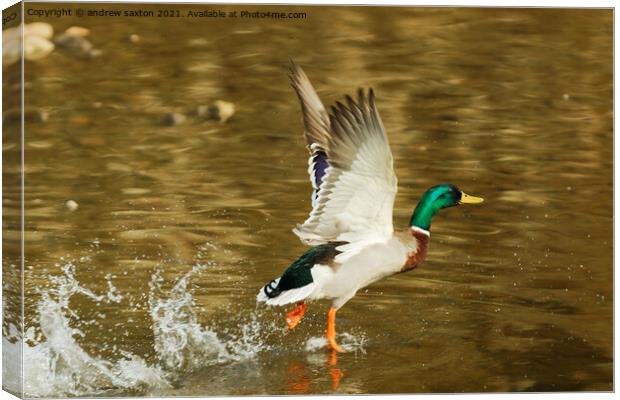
pixel 418 229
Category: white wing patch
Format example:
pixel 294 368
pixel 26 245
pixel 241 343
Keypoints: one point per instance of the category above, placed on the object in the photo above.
pixel 356 196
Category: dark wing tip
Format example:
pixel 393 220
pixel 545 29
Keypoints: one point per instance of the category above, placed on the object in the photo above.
pixel 360 95
pixel 292 65
pixel 295 73
pixel 343 109
pixel 334 120
pixel 363 102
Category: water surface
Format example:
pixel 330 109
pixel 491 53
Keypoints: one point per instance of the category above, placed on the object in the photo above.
pixel 179 226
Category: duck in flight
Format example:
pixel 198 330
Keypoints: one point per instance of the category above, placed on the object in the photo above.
pixel 350 225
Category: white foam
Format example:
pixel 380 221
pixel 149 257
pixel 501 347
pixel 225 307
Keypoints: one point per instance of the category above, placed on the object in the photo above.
pixel 348 342
pixel 113 295
pixel 180 341
pixel 11 350
pixel 57 366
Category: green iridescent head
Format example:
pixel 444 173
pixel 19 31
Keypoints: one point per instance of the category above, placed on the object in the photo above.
pixel 438 197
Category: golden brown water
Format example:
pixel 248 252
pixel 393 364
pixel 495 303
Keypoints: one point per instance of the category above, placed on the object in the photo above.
pixel 513 105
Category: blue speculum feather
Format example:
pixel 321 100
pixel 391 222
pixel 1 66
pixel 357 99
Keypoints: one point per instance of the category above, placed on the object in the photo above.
pixel 320 165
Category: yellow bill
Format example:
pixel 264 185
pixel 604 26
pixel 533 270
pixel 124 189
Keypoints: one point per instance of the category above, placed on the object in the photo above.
pixel 467 199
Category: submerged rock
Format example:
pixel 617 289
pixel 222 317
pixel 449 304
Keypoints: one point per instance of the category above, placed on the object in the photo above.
pixel 173 118
pixel 77 31
pixel 71 205
pixel 77 45
pixel 95 53
pixel 11 48
pixel 40 144
pixel 37 47
pixel 42 29
pixel 31 114
pixel 36 42
pixel 220 111
pixel 135 191
pixel 74 41
pixel 198 42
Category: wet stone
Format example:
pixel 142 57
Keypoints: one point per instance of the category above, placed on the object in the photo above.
pixel 95 53
pixel 173 118
pixel 77 31
pixel 35 115
pixel 36 43
pixel 135 191
pixel 31 114
pixel 40 144
pixel 77 45
pixel 11 50
pixel 198 42
pixel 71 205
pixel 41 29
pixel 220 111
pixel 37 47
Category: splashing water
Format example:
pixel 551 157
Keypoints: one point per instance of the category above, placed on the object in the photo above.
pixel 347 341
pixel 58 366
pixel 180 341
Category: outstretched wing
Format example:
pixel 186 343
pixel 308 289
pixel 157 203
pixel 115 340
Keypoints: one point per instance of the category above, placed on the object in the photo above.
pixel 356 191
pixel 316 127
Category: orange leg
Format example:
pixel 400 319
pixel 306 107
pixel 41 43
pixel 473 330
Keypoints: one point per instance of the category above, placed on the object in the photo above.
pixel 293 317
pixel 331 331
pixel 336 375
pixel 335 372
pixel 298 380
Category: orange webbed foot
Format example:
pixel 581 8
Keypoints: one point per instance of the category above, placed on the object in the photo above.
pixel 294 317
pixel 335 346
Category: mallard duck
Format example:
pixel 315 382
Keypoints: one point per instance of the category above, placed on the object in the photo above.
pixel 350 225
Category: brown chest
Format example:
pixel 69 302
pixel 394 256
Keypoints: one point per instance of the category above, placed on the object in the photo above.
pixel 417 256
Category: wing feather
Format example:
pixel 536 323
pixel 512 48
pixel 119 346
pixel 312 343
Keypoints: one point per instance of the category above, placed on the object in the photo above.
pixel 355 197
pixel 316 127
pixel 316 119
